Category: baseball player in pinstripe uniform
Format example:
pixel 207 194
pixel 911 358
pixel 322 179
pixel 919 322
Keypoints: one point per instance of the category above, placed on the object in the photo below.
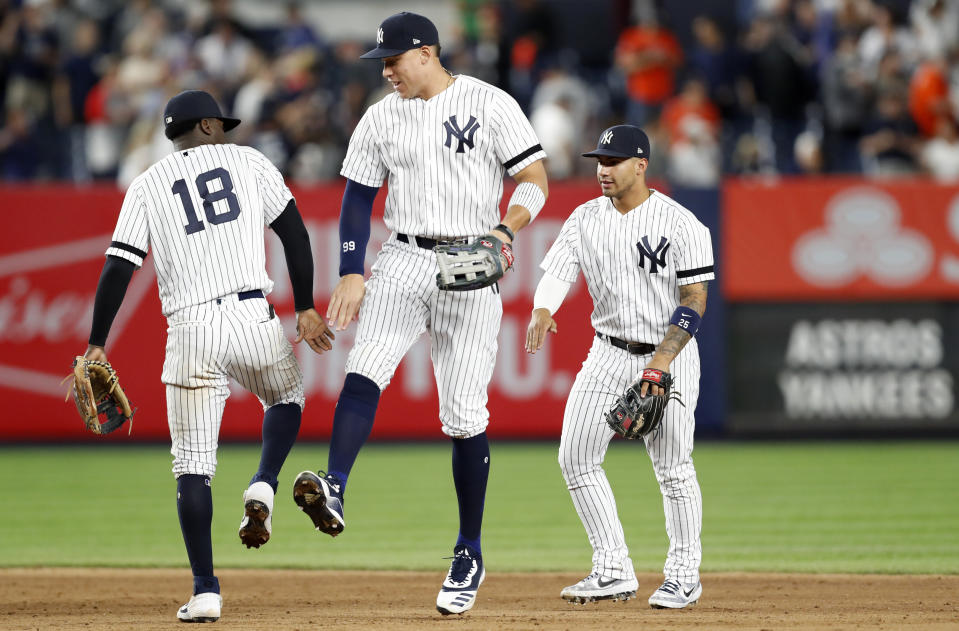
pixel 646 261
pixel 203 209
pixel 444 142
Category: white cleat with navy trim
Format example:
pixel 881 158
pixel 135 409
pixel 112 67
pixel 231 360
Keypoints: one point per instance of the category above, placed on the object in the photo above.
pixel 596 587
pixel 675 595
pixel 201 608
pixel 466 574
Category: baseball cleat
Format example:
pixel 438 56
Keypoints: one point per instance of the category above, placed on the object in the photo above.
pixel 675 595
pixel 321 497
pixel 458 593
pixel 201 608
pixel 596 587
pixel 257 523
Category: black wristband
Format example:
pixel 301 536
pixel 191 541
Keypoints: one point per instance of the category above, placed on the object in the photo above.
pixel 509 233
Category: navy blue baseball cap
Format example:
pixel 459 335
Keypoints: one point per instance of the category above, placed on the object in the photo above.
pixel 400 33
pixel 191 106
pixel 621 141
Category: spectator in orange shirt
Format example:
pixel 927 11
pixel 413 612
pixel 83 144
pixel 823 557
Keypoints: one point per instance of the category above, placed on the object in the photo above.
pixel 691 102
pixel 929 96
pixel 692 123
pixel 647 55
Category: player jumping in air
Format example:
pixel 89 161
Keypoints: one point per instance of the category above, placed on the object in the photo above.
pixel 444 141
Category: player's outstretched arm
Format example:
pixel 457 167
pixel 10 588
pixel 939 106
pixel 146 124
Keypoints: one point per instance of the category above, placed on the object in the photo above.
pixel 294 237
pixel 311 327
pixel 356 212
pixel 540 323
pixel 346 300
pixel 550 293
pixel 692 303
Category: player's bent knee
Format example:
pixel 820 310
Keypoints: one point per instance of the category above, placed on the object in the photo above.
pixel 567 468
pixel 460 431
pixel 675 481
pixel 293 399
pixel 576 472
pixel 373 361
pixel 573 475
pixel 192 466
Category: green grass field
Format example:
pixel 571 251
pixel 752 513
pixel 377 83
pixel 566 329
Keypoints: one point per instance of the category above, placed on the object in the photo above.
pixel 804 507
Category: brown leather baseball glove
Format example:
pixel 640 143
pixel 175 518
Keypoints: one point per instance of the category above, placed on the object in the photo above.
pixel 96 391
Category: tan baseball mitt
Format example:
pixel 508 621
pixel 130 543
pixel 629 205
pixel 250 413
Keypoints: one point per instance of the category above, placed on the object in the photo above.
pixel 96 391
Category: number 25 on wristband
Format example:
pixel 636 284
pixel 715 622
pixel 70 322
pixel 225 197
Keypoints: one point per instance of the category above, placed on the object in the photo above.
pixel 686 319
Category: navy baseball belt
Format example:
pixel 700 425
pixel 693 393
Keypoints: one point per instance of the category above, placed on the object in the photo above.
pixel 633 348
pixel 246 295
pixel 427 243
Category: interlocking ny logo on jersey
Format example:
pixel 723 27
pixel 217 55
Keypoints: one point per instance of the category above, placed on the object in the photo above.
pixel 463 136
pixel 656 257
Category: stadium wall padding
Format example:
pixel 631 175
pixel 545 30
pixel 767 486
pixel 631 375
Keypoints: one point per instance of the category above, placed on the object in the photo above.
pixel 50 260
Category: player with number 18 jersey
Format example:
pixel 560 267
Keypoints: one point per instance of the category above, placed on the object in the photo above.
pixel 203 209
pixel 204 247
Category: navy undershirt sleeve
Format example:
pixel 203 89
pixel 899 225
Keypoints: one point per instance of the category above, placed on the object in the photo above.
pixel 355 214
pixel 111 289
pixel 299 255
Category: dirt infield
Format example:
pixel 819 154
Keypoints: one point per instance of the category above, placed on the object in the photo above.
pixel 276 599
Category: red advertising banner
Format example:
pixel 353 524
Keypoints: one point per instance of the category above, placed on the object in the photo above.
pixel 839 239
pixel 51 253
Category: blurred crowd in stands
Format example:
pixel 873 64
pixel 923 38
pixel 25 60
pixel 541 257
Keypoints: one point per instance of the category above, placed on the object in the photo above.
pixel 766 87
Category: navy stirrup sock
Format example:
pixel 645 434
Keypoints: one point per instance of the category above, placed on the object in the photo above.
pixel 281 424
pixel 204 584
pixel 470 473
pixel 194 503
pixel 352 424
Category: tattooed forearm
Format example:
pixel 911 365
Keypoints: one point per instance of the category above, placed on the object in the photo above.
pixel 674 342
pixel 694 297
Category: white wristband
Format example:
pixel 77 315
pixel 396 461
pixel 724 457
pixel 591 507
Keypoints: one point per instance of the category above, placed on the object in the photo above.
pixel 529 196
pixel 550 293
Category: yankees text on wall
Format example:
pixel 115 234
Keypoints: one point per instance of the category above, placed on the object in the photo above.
pixel 851 368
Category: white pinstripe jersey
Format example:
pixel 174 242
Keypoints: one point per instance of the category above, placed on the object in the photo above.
pixel 633 263
pixel 203 210
pixel 445 157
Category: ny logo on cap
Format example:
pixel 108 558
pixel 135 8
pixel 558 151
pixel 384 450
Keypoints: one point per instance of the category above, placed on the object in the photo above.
pixel 607 138
pixel 379 35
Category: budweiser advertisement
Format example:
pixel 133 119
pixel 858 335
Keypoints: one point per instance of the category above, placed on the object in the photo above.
pixel 839 239
pixel 51 255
